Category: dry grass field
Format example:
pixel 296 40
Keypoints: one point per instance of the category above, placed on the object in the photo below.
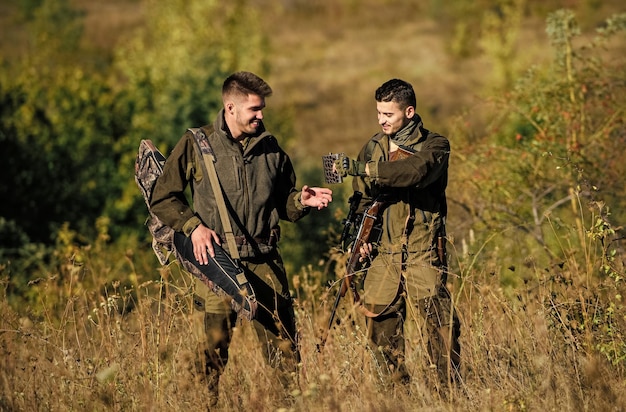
pixel 128 347
pixel 552 344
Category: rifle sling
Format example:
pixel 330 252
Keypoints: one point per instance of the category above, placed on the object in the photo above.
pixel 209 161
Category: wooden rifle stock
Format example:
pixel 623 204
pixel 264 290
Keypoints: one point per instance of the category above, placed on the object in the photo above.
pixel 363 237
pixel 367 233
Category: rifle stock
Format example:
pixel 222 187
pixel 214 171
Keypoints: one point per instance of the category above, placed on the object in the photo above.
pixel 367 233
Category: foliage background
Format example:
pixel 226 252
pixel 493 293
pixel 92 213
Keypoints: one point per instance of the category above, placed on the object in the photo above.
pixel 530 93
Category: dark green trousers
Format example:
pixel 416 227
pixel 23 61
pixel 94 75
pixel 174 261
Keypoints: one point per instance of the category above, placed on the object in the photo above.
pixel 274 324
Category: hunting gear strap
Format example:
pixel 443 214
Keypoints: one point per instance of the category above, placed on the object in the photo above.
pixel 222 275
pixel 209 161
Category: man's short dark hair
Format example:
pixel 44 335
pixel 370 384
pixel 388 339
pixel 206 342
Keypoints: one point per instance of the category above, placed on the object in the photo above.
pixel 245 83
pixel 396 90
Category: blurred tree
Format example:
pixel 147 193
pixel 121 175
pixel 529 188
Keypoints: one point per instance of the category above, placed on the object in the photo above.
pixel 57 123
pixel 55 26
pixel 553 148
pixel 501 24
pixel 27 8
pixel 56 135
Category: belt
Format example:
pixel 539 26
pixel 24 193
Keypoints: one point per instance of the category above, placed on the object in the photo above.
pixel 271 240
pixel 242 240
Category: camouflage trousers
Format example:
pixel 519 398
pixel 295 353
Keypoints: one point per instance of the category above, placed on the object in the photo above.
pixel 441 332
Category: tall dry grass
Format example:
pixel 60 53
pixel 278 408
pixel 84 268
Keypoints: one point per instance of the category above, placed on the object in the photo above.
pixel 111 331
pixel 555 343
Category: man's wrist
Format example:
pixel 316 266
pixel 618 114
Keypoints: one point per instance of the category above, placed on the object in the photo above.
pixel 299 204
pixel 191 225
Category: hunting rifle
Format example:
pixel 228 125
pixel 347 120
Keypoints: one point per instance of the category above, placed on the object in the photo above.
pixel 367 231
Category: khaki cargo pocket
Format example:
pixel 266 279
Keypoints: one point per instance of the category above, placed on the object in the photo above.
pixel 198 304
pixel 197 321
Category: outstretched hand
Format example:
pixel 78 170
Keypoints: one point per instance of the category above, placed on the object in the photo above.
pixel 318 197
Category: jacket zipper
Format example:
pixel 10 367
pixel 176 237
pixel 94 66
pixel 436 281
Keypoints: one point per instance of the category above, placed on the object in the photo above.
pixel 243 181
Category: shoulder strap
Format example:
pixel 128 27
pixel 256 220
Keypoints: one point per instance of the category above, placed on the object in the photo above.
pixel 209 161
pixel 369 148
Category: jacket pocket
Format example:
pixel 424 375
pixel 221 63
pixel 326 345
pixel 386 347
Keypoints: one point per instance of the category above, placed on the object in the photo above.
pixel 238 173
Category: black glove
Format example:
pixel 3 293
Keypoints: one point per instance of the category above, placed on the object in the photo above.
pixel 346 166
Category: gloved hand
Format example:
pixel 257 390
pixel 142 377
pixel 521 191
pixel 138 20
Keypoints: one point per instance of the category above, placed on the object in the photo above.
pixel 346 166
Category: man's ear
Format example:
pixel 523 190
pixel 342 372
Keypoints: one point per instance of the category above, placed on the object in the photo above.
pixel 409 112
pixel 230 107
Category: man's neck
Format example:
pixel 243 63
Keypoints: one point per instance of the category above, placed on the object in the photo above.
pixel 392 146
pixel 237 136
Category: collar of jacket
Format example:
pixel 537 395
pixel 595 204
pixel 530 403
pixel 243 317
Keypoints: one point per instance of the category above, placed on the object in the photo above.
pixel 416 137
pixel 221 128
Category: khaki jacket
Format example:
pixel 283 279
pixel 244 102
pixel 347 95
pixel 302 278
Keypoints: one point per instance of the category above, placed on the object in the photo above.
pixel 257 178
pixel 417 186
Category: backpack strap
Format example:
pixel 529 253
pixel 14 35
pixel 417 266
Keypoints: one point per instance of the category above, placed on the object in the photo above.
pixel 209 161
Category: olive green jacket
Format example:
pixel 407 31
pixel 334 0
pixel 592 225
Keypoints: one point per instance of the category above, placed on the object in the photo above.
pixel 257 179
pixel 413 219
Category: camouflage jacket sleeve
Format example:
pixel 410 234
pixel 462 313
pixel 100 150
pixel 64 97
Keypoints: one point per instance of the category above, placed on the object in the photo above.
pixel 418 170
pixel 168 200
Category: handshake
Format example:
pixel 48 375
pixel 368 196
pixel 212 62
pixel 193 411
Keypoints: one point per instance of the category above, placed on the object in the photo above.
pixel 338 165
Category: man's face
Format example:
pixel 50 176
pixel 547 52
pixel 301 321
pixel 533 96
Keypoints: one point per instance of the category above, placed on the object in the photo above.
pixel 246 113
pixel 392 118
